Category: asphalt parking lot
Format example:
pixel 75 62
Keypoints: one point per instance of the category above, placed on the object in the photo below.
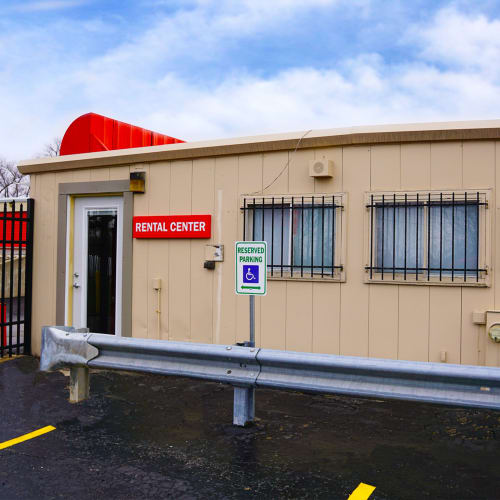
pixel 146 436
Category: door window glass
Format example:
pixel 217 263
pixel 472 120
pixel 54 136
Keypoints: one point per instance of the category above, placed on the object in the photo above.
pixel 101 270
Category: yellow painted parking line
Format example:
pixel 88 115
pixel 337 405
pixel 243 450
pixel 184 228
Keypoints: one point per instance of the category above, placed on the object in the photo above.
pixel 3 360
pixel 362 492
pixel 31 435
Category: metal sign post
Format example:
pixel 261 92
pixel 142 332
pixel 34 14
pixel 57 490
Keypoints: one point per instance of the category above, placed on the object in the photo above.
pixel 251 275
pixel 251 280
pixel 252 320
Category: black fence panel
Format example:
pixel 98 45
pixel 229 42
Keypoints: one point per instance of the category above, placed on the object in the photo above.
pixel 16 270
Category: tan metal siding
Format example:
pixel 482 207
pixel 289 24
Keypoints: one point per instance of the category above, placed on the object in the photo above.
pixel 413 315
pixel 250 171
pixel 326 296
pixel 355 294
pixel 141 288
pixel 478 172
pixel 203 202
pixel 227 208
pixel 299 296
pixel 44 270
pixel 157 255
pixel 385 174
pixel 414 322
pixel 274 326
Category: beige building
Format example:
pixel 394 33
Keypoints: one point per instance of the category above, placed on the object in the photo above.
pixel 382 241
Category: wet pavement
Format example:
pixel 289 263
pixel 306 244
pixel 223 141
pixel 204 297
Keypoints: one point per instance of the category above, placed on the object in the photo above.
pixel 148 437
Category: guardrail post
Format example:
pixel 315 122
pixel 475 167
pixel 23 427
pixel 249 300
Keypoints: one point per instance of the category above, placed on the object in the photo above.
pixel 244 406
pixel 78 384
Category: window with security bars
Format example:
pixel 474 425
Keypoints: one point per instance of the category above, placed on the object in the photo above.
pixel 433 237
pixel 303 234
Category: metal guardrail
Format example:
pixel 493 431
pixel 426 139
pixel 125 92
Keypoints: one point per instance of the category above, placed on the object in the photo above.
pixel 247 368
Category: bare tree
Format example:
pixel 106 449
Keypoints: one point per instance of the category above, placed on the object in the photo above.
pixel 53 148
pixel 13 184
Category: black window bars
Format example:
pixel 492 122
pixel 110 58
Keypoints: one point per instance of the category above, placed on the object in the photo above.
pixel 302 233
pixel 433 236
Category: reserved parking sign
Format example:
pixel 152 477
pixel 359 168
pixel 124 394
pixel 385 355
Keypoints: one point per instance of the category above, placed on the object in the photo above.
pixel 251 267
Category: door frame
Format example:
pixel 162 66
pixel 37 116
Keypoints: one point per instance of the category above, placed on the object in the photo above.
pixel 67 194
pixel 82 205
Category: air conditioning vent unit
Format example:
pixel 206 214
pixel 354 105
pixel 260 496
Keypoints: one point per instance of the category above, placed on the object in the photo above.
pixel 321 168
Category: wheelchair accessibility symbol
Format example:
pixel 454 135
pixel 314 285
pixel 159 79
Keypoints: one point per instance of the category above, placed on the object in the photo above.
pixel 251 267
pixel 250 274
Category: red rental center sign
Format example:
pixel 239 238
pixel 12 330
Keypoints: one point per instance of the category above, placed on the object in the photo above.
pixel 172 226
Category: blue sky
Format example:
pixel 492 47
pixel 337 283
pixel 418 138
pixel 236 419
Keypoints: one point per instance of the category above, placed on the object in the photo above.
pixel 202 69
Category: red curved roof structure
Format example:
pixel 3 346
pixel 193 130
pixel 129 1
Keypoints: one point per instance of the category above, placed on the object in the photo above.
pixel 93 132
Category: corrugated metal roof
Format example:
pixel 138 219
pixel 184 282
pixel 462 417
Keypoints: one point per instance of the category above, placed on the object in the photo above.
pixel 92 132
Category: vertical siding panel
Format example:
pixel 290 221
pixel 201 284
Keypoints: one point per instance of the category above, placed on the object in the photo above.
pixel 202 279
pixel 99 174
pixel 273 305
pixel 326 317
pixel 478 164
pixel 473 336
pixel 326 296
pixel 179 285
pixel 61 177
pixel 299 180
pixel 119 173
pixel 226 193
pixel 249 183
pixel 385 167
pixel 413 323
pixel 299 311
pixel 495 256
pixel 478 172
pixel 274 173
pixel 414 300
pixel 415 166
pixel 446 165
pixel 43 257
pixel 158 196
pixel 383 321
pixel 354 307
pixel 273 316
pixel 82 175
pixel 445 323
pixel 445 308
pixel 36 324
pixel 485 343
pixel 299 316
pixel 384 299
pixel 140 249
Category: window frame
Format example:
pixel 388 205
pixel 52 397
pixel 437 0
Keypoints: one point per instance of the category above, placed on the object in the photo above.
pixel 432 277
pixel 294 272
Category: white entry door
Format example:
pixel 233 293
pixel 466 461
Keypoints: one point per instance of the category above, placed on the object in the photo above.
pixel 97 264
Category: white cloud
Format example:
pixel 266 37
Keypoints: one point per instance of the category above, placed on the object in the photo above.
pixel 204 31
pixel 460 40
pixel 455 76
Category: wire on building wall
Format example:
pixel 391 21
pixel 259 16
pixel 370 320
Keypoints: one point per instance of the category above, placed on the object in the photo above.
pixel 285 167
